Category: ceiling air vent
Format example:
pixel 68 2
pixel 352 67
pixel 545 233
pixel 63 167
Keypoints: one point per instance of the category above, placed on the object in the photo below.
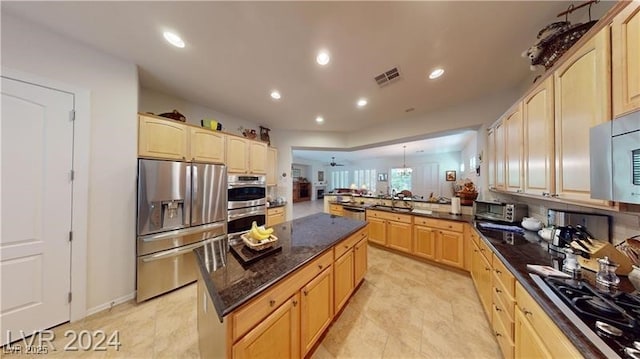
pixel 387 77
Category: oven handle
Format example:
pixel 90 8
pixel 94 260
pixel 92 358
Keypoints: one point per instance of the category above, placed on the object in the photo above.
pixel 181 232
pixel 247 184
pixel 180 251
pixel 247 214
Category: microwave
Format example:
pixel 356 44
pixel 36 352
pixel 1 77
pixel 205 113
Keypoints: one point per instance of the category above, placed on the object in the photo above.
pixel 615 159
pixel 500 211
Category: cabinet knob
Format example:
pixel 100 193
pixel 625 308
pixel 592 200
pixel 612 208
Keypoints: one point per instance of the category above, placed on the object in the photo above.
pixel 526 312
pixel 272 302
pixel 193 158
pixel 319 266
pixel 545 194
pixel 295 302
pixel 498 334
pixel 305 292
pixel 498 309
pixel 498 290
pixel 487 268
pixel 346 246
pixel 184 158
pixel 498 271
pixel 475 250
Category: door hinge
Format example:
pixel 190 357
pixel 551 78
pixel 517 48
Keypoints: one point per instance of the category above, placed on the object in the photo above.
pixel 70 236
pixel 69 297
pixel 73 174
pixel 72 115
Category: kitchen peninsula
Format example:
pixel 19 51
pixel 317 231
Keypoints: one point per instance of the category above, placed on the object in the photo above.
pixel 264 309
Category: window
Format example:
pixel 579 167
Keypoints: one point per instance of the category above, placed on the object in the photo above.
pixel 369 178
pixel 401 179
pixel 340 179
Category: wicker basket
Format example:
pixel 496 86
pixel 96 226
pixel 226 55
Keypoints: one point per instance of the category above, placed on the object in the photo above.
pixel 264 244
pixel 467 198
pixel 556 45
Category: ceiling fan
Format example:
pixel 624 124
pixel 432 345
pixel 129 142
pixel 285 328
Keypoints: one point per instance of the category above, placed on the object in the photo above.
pixel 333 162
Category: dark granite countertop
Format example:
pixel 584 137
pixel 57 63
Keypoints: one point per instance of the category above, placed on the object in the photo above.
pixel 276 205
pixel 437 215
pixel 530 249
pixel 230 284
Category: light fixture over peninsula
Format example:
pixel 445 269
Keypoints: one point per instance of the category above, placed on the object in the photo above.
pixel 173 39
pixel 275 95
pixel 319 119
pixel 323 58
pixel 362 102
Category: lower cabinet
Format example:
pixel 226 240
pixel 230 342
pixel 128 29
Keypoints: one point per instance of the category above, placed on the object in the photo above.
pixel 361 261
pixel 336 210
pixel 283 324
pixel 481 273
pixel 391 230
pixel 399 236
pixel 425 242
pixel 438 240
pixel 344 282
pixel 377 230
pixel 528 344
pixel 316 308
pixel 275 216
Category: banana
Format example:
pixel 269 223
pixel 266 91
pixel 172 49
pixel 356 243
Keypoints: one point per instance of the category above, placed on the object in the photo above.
pixel 257 235
pixel 262 230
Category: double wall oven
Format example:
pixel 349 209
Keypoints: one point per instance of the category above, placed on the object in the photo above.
pixel 247 198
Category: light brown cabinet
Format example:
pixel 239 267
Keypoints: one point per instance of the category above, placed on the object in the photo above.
pixel 316 309
pixel 391 230
pixel 625 43
pixel 283 324
pixel 490 157
pixel 527 342
pixel 206 145
pixel 360 261
pixel 499 156
pixel 350 266
pixel 272 167
pixel 165 139
pixel 246 156
pixel 513 148
pixel 344 279
pixel 275 216
pixel 538 116
pixel 336 209
pixel 439 240
pixel 582 100
pixel 481 274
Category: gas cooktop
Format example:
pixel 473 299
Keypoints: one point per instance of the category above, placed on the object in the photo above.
pixel 610 318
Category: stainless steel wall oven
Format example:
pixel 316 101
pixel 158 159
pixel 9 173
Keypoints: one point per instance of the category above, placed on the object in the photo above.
pixel 247 197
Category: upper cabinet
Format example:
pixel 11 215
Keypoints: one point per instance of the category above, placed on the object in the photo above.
pixel 513 148
pixel 246 156
pixel 159 138
pixel 625 36
pixel 582 100
pixel 206 145
pixel 272 166
pixel 539 166
pixel 499 137
pixel 491 158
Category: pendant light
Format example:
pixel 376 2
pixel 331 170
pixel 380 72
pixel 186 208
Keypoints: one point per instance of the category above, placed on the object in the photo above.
pixel 405 172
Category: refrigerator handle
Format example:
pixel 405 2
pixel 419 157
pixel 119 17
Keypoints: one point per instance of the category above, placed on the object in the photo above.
pixel 189 187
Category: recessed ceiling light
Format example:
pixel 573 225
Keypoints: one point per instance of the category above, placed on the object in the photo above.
pixel 275 95
pixel 173 39
pixel 362 102
pixel 323 58
pixel 436 73
pixel 319 119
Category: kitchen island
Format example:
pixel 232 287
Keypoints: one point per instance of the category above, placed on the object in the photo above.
pixel 243 308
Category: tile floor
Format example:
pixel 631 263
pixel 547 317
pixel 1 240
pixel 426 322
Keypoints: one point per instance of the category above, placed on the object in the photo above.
pixel 303 209
pixel 404 309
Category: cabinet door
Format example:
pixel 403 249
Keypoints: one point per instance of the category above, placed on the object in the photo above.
pixel 539 166
pixel 425 242
pixel 272 166
pixel 451 248
pixel 343 279
pixel 491 159
pixel 165 139
pixel 237 155
pixel 527 342
pixel 481 272
pixel 500 156
pixel 277 336
pixel 316 310
pixel 206 145
pixel 257 157
pixel 360 266
pixel 582 100
pixel 625 37
pixel 399 236
pixel 513 148
pixel 377 230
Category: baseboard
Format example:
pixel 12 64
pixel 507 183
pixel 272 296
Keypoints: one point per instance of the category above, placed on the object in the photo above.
pixel 110 304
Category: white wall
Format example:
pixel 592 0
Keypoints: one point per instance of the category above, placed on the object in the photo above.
pixel 157 103
pixel 113 87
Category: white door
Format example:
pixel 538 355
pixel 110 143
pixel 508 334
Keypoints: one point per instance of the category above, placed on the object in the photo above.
pixel 35 258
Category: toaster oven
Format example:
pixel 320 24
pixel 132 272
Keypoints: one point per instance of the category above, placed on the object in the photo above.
pixel 500 211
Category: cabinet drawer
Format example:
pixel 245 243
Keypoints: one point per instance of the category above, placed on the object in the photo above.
pixel 253 312
pixel 342 247
pixel 404 218
pixel 275 211
pixel 475 237
pixel 504 340
pixel 501 311
pixel 501 296
pixel 485 250
pixel 556 342
pixel 441 224
pixel 504 276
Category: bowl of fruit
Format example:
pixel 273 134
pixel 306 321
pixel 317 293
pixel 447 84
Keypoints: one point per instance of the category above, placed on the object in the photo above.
pixel 259 238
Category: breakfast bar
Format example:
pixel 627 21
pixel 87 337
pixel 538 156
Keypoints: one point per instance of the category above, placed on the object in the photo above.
pixel 241 307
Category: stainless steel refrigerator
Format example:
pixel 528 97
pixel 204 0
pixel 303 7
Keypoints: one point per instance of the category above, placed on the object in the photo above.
pixel 181 206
